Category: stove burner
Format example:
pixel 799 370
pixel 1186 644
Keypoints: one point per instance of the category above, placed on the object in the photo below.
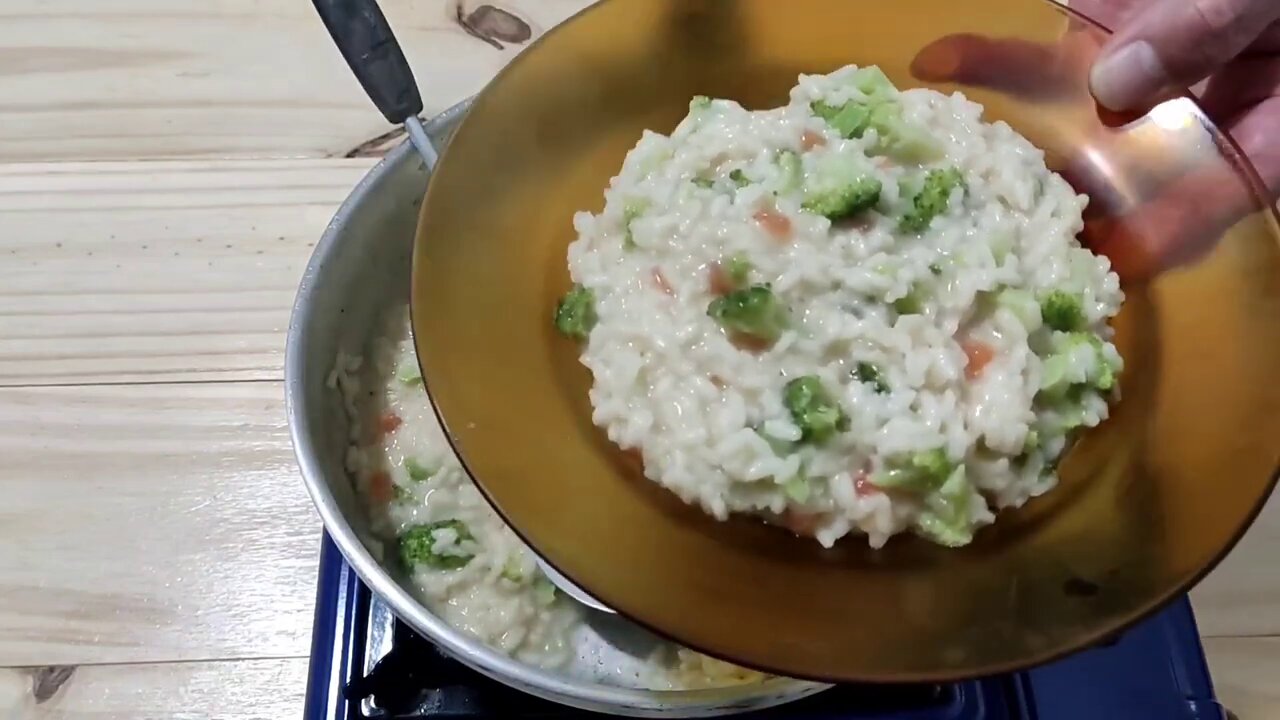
pixel 366 665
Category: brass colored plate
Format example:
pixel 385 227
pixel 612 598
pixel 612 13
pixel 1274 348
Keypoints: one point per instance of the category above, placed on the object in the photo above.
pixel 1148 503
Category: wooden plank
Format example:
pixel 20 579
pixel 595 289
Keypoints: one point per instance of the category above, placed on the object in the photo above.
pixel 235 78
pixel 157 271
pixel 1245 675
pixel 224 690
pixel 1242 596
pixel 146 523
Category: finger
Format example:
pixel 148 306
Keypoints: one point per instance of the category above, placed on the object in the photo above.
pixel 1255 132
pixel 1240 86
pixel 1175 44
pixel 1012 66
pixel 1186 218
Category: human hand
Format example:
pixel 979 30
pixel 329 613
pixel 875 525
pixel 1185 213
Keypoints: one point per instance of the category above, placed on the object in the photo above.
pixel 1229 49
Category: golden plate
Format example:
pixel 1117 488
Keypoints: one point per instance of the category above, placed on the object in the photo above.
pixel 1148 503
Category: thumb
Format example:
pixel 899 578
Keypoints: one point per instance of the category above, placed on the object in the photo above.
pixel 1173 44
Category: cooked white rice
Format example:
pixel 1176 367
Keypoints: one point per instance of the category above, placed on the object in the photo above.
pixel 709 415
pixel 403 466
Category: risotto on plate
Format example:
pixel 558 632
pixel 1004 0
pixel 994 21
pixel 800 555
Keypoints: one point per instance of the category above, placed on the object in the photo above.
pixel 864 311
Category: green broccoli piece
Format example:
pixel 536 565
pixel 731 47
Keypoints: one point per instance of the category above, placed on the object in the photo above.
pixel 1062 311
pixel 704 182
pixel 576 313
pixel 417 545
pixel 513 570
pixel 699 102
pixel 931 200
pixel 754 312
pixel 797 489
pixel 544 591
pixel 417 471
pixel 850 119
pixel 899 139
pixel 791 173
pixel 910 304
pixel 871 375
pixel 1031 443
pixel 1022 304
pixel 631 210
pixel 813 410
pixel 1069 370
pixel 872 82
pixel 946 519
pixel 861 194
pixel 738 269
pixel 840 187
pixel 935 268
pixel 739 178
pixel 921 472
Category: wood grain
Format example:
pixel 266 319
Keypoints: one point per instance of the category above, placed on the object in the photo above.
pixel 236 78
pixel 147 523
pixel 1242 596
pixel 1246 675
pixel 146 271
pixel 222 690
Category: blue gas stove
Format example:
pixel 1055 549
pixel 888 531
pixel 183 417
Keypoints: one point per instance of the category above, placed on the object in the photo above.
pixel 365 664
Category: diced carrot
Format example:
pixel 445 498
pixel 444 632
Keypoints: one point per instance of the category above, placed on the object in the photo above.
pixel 381 489
pixel 388 422
pixel 810 140
pixel 660 281
pixel 718 279
pixel 801 522
pixel 862 485
pixel 978 354
pixel 775 223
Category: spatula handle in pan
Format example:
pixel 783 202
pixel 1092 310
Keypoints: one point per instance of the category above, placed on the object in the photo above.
pixel 364 37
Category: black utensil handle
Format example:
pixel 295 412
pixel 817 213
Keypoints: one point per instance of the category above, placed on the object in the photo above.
pixel 364 37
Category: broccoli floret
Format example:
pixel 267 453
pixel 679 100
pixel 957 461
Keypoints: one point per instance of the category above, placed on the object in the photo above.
pixel 797 489
pixel 872 82
pixel 513 570
pixel 754 312
pixel 699 102
pixel 417 545
pixel 704 182
pixel 576 313
pixel 850 119
pixel 1062 311
pixel 1022 304
pixel 790 172
pixel 738 269
pixel 861 194
pixel 544 591
pixel 840 187
pixel 899 139
pixel 633 209
pixel 1077 361
pixel 739 178
pixel 813 410
pixel 871 375
pixel 417 471
pixel 1031 443
pixel 921 472
pixel 910 304
pixel 931 200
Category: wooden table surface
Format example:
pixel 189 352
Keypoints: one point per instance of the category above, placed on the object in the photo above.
pixel 165 170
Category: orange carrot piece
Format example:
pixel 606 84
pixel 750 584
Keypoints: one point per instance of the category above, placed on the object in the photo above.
pixel 978 354
pixel 775 223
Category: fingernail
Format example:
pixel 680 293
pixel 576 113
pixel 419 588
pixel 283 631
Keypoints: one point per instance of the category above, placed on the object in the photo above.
pixel 1126 78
